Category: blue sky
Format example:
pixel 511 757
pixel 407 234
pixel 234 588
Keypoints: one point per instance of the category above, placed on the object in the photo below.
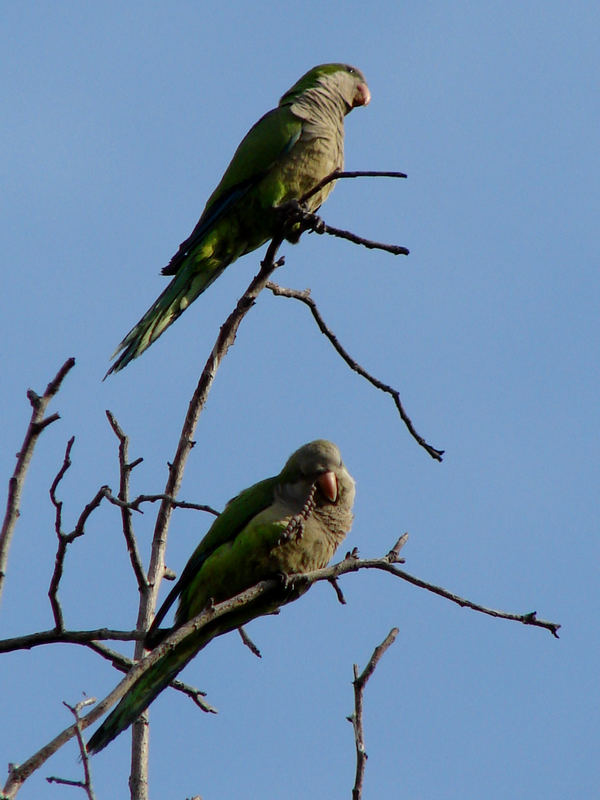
pixel 118 123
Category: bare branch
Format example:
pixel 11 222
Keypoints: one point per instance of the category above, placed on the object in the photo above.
pixel 338 174
pixel 338 591
pixel 124 664
pixel 65 539
pixel 87 783
pixel 118 660
pixel 304 297
pixel 356 718
pixel 394 555
pixel 65 782
pixel 314 223
pixel 19 774
pixel 134 505
pixel 37 424
pixel 244 600
pixel 125 469
pixel 61 636
pixel 225 339
pixel 353 564
pixel 248 642
pixel 298 219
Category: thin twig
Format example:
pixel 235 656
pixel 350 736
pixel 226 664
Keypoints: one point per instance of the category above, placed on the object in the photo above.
pixel 65 539
pixel 36 425
pixel 356 718
pixel 135 504
pixel 124 664
pixel 314 223
pixel 125 469
pixel 339 174
pixel 338 591
pixel 317 225
pixel 61 636
pixel 248 642
pixel 86 784
pixel 304 297
pixel 353 564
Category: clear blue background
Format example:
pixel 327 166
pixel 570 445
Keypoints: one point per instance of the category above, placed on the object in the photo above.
pixel 118 121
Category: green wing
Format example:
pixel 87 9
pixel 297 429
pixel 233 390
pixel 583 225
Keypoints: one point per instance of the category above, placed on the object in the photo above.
pixel 237 514
pixel 160 675
pixel 270 139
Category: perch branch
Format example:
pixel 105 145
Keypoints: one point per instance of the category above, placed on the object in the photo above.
pixel 304 297
pixel 350 564
pixel 19 774
pixel 37 424
pixel 356 718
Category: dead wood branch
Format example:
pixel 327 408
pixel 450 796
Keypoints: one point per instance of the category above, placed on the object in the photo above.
pixel 356 718
pixel 37 424
pixel 304 297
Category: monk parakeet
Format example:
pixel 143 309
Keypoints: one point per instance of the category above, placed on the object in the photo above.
pixel 282 526
pixel 284 155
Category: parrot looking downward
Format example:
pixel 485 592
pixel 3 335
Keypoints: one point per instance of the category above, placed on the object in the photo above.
pixel 284 155
pixel 285 525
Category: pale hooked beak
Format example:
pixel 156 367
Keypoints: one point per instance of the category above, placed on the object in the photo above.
pixel 362 96
pixel 327 483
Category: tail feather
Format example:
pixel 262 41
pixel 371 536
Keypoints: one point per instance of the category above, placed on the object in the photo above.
pixel 152 682
pixel 179 294
pixel 141 694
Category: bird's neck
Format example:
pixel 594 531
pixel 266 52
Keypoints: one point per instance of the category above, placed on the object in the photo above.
pixel 320 107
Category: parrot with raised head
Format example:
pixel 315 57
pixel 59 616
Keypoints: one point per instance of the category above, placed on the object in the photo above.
pixel 280 527
pixel 282 157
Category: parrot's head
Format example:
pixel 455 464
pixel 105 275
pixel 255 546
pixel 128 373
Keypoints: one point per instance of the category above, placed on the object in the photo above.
pixel 341 79
pixel 320 463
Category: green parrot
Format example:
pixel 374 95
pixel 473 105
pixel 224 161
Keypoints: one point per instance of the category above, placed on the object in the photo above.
pixel 284 525
pixel 284 155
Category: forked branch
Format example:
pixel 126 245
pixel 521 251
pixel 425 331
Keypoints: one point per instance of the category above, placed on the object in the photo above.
pixel 37 424
pixel 356 718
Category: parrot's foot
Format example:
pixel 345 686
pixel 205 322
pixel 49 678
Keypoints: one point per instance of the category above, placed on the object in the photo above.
pixel 295 219
pixel 292 585
pixel 285 580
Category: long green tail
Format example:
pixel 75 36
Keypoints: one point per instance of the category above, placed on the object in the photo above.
pixel 149 685
pixel 144 691
pixel 185 287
